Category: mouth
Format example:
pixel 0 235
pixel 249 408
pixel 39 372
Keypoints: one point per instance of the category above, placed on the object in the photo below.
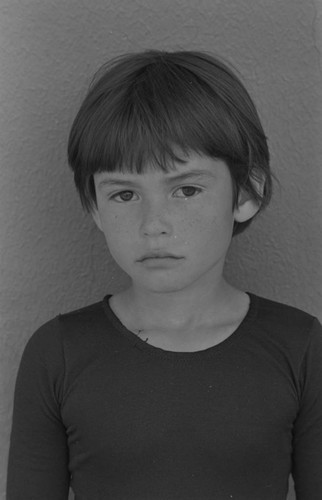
pixel 158 256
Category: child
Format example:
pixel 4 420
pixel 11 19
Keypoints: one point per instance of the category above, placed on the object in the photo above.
pixel 181 386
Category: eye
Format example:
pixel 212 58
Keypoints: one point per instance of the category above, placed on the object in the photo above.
pixel 188 191
pixel 123 196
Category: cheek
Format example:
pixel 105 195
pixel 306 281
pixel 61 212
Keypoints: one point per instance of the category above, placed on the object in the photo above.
pixel 116 229
pixel 196 231
pixel 213 226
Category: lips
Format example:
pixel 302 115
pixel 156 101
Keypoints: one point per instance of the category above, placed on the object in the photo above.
pixel 158 255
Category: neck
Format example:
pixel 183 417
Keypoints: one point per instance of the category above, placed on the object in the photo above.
pixel 180 309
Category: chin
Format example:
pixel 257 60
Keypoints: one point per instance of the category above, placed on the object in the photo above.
pixel 164 285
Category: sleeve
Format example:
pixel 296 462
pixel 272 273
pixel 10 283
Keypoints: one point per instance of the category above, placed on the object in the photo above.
pixel 307 437
pixel 38 454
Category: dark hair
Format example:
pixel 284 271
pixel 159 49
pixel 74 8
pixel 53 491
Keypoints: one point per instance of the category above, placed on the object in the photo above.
pixel 144 109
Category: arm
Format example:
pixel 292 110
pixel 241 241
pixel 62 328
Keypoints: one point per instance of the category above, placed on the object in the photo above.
pixel 38 456
pixel 307 442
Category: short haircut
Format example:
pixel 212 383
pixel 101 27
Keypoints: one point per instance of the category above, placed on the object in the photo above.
pixel 148 108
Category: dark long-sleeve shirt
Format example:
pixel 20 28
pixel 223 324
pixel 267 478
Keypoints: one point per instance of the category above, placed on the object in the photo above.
pixel 99 408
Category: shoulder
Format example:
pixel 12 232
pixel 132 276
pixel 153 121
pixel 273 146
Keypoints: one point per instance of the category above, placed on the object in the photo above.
pixel 284 324
pixel 50 338
pixel 281 314
pixel 79 320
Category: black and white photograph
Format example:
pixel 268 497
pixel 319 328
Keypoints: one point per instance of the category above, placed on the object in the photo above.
pixel 161 250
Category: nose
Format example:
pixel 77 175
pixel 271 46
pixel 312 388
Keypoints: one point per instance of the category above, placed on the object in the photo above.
pixel 155 218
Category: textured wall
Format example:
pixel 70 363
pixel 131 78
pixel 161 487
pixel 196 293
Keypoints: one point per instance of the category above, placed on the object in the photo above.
pixel 52 257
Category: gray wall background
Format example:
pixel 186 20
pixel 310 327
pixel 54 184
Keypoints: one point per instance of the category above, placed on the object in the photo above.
pixel 53 259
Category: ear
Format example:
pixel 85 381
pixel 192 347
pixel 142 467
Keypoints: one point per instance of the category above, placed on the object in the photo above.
pixel 97 218
pixel 246 209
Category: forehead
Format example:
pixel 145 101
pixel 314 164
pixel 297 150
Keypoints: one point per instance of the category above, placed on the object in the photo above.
pixel 194 167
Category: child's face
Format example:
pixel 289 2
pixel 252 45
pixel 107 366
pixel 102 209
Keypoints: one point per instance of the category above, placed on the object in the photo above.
pixel 159 213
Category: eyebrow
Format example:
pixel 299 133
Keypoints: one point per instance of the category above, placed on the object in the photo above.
pixel 192 174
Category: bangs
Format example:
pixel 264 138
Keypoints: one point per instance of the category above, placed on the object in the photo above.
pixel 153 109
pixel 154 121
pixel 157 120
